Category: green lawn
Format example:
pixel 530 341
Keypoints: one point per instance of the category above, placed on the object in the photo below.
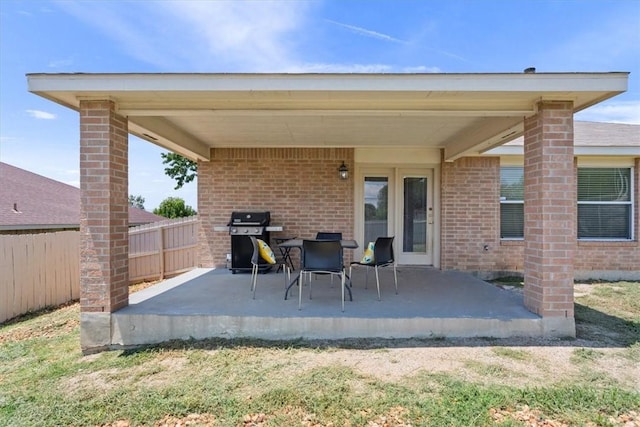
pixel 46 381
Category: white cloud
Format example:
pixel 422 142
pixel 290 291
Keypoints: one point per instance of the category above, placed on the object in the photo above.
pixel 197 35
pixel 8 139
pixel 338 68
pixel 247 36
pixel 385 37
pixel 357 68
pixel 60 63
pixel 367 33
pixel 42 115
pixel 421 69
pixel 255 34
pixel 612 112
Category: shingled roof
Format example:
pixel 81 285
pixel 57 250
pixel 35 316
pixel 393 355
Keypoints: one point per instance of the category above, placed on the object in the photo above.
pixel 32 201
pixel 599 134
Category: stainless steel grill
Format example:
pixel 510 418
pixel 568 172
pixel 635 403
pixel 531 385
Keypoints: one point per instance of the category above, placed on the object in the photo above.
pixel 242 225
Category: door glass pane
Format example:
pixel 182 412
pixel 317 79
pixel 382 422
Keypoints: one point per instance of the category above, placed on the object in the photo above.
pixel 376 208
pixel 415 215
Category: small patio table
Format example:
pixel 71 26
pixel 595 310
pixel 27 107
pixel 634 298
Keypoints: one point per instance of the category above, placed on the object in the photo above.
pixel 285 252
pixel 297 243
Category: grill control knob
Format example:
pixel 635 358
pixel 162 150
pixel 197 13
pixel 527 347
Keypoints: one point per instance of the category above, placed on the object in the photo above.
pixel 246 231
pixel 256 231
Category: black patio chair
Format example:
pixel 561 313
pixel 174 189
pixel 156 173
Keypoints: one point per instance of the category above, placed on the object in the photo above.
pixel 322 256
pixel 329 235
pixel 255 265
pixel 382 257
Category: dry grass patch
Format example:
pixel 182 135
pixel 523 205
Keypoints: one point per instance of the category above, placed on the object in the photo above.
pixel 511 353
pixel 591 381
pixel 38 325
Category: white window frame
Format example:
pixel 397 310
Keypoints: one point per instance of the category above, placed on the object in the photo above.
pixel 521 202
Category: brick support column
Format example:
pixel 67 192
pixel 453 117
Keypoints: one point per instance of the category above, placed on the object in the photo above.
pixel 104 219
pixel 550 214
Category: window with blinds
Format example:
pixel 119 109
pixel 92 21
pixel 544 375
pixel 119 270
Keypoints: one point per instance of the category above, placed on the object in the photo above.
pixel 511 203
pixel 605 205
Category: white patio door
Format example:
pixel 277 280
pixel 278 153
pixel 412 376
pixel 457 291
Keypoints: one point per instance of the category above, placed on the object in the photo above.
pixel 398 202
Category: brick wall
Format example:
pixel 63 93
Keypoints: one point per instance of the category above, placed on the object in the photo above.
pixel 293 184
pixel 594 259
pixel 104 208
pixel 471 219
pixel 470 214
pixel 300 187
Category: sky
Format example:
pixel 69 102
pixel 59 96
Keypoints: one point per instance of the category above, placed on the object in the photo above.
pixel 317 36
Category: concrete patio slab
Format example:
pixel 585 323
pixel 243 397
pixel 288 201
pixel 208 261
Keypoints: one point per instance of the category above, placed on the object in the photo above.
pixel 207 303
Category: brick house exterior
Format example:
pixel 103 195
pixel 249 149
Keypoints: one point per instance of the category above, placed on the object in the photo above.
pixel 593 259
pixel 261 179
pixel 599 144
pixel 274 142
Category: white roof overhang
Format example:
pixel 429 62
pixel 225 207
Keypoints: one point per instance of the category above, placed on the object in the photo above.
pixel 462 114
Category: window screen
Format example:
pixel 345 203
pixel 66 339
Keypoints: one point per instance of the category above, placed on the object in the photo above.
pixel 511 203
pixel 604 203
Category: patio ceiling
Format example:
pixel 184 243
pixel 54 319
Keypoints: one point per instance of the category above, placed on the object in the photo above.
pixel 463 114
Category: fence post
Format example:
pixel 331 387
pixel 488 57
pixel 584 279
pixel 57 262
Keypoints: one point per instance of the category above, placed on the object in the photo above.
pixel 161 250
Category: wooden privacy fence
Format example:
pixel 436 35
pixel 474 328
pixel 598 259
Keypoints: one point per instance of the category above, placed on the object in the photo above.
pixel 163 248
pixel 37 271
pixel 43 270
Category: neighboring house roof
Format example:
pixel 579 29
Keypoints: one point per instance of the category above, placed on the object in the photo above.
pixel 32 201
pixel 591 139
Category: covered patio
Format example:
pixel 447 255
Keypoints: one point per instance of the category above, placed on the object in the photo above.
pixel 274 142
pixel 215 303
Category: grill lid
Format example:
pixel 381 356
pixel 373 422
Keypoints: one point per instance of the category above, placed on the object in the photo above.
pixel 250 218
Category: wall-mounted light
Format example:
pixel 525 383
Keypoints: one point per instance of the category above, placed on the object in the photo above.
pixel 343 171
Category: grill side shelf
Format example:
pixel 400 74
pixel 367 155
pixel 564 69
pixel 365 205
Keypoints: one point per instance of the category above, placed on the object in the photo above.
pixel 225 228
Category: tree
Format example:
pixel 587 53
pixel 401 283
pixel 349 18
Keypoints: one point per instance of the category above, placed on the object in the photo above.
pixel 174 207
pixel 382 212
pixel 136 201
pixel 180 168
pixel 370 211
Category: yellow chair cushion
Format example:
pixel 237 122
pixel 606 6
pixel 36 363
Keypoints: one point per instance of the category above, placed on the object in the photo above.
pixel 265 252
pixel 368 257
